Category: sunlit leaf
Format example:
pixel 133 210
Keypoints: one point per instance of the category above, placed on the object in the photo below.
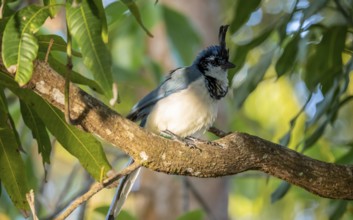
pixel 80 144
pixel 135 11
pixel 85 27
pixel 242 13
pixel 19 45
pixel 179 29
pixel 103 19
pixel 12 169
pixel 38 129
pixel 52 10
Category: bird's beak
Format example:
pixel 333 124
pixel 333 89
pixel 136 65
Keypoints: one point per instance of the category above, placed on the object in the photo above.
pixel 228 65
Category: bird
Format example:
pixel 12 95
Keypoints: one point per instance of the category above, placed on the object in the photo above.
pixel 184 105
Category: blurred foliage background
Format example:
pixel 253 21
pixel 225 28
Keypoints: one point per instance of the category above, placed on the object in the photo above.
pixel 291 86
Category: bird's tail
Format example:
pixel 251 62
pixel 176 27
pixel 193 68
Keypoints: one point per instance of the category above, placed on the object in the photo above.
pixel 122 192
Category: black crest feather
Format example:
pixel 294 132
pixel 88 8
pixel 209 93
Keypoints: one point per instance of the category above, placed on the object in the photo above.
pixel 222 40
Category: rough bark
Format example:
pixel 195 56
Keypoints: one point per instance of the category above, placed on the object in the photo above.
pixel 235 153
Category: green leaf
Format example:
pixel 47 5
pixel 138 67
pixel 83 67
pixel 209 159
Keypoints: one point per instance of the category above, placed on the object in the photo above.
pixel 52 10
pixel 124 215
pixel 85 27
pixel 103 210
pixel 337 209
pixel 6 81
pixel 192 215
pixel 6 11
pixel 3 106
pixel 243 12
pixel 284 140
pixel 12 169
pixel 325 60
pixel 58 44
pixel 347 158
pixel 288 57
pixel 114 12
pixel 240 52
pixel 280 192
pixel 74 76
pixel 5 117
pixel 254 76
pixel 179 28
pixel 19 45
pixel 38 129
pixel 80 144
pixel 99 5
pixel 131 5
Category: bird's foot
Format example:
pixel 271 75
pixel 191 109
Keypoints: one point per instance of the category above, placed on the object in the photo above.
pixel 186 141
pixel 194 139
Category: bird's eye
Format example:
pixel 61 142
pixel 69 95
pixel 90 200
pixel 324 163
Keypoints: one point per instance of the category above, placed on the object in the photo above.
pixel 217 62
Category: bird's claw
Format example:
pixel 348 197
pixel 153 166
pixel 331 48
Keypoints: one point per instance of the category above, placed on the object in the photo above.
pixel 203 141
pixel 188 141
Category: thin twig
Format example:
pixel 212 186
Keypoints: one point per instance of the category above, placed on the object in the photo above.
pixel 115 98
pixel 62 206
pixel 30 200
pixel 95 188
pixel 68 76
pixel 51 42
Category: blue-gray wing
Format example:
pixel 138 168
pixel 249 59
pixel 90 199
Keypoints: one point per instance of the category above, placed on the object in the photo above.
pixel 176 81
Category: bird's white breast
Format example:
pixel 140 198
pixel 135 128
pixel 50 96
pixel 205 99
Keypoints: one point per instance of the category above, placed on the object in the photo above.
pixel 188 112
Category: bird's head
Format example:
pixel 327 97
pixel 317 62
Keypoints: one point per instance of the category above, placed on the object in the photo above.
pixel 215 59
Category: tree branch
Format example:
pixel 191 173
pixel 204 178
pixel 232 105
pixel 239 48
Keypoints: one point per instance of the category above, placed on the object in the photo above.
pixel 237 152
pixel 95 188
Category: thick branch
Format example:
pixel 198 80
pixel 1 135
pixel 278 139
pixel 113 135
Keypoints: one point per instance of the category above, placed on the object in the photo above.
pixel 237 152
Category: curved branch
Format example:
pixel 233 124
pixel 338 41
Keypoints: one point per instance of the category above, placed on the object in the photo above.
pixel 235 153
pixel 95 188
